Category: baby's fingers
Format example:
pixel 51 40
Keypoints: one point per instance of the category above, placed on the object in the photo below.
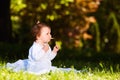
pixel 57 47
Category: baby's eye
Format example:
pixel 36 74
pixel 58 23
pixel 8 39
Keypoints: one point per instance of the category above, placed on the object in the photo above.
pixel 48 33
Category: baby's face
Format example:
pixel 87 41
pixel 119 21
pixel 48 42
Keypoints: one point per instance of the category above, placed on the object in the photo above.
pixel 45 35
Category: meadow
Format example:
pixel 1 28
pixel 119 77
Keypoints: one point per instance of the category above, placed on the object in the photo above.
pixel 98 67
pixel 88 71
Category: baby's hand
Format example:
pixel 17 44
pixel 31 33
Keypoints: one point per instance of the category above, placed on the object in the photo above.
pixel 56 49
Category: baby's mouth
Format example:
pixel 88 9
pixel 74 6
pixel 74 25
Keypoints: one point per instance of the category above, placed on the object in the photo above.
pixel 52 38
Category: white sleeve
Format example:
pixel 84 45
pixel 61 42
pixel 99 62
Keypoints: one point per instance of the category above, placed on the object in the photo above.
pixel 51 55
pixel 36 53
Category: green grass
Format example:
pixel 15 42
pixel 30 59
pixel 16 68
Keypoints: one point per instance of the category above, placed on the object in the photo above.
pixel 89 71
pixel 103 66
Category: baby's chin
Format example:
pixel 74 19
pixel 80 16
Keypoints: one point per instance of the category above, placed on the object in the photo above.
pixel 47 41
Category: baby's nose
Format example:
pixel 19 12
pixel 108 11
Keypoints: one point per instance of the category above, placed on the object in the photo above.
pixel 50 36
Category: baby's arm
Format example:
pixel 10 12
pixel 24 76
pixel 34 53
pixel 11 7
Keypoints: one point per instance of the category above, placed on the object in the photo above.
pixel 53 53
pixel 56 49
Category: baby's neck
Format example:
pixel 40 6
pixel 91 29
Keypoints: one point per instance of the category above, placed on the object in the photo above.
pixel 41 43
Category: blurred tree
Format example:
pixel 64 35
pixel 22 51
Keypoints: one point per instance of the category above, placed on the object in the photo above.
pixel 113 36
pixel 79 24
pixel 5 22
pixel 109 23
pixel 17 7
pixel 66 17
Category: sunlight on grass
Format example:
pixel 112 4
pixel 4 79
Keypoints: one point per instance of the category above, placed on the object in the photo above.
pixel 88 74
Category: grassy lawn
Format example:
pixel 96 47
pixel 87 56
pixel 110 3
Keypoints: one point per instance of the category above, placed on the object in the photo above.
pixel 89 71
pixel 103 67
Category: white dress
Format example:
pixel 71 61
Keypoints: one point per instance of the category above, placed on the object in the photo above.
pixel 38 61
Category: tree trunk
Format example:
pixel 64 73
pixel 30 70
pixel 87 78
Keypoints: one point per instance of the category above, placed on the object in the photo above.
pixel 5 22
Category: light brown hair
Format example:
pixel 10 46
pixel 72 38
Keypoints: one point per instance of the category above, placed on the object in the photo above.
pixel 36 29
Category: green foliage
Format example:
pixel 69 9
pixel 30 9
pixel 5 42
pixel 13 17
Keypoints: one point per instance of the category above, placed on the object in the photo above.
pixel 67 18
pixel 112 33
pixel 115 29
pixel 97 40
pixel 109 25
pixel 17 5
